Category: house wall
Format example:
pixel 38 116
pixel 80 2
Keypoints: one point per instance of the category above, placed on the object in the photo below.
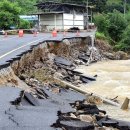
pixel 51 21
pixel 61 21
pixel 71 20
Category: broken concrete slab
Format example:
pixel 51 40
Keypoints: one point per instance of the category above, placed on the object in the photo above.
pixel 31 99
pixel 62 61
pixel 76 125
pixel 29 117
pixel 86 79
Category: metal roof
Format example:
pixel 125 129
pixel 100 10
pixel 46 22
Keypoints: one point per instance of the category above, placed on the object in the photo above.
pixel 58 7
pixel 58 3
pixel 39 13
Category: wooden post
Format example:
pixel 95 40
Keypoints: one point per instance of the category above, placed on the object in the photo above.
pixel 55 19
pixel 125 104
pixel 87 92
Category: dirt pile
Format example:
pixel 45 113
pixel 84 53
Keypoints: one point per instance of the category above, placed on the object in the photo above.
pixel 106 50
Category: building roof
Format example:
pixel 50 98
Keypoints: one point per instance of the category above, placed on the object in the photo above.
pixel 65 7
pixel 40 13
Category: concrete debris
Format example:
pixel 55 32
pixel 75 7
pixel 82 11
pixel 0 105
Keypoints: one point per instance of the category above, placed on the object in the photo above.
pixel 109 55
pixel 62 61
pixel 31 99
pixel 94 100
pixel 85 115
pixel 120 55
pixel 57 106
pixel 86 118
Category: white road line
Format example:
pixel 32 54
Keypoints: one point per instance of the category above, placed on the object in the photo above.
pixel 19 48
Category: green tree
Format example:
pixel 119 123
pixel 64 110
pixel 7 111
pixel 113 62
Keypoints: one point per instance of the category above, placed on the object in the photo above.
pixel 117 25
pixel 102 23
pixel 26 5
pixel 9 14
pixel 100 5
pixel 24 24
pixel 124 44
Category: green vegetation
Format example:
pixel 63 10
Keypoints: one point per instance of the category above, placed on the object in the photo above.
pixel 124 44
pixel 101 36
pixel 114 24
pixel 110 2
pixel 24 24
pixel 9 14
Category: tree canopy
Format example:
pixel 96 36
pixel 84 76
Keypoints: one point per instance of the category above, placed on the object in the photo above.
pixel 9 14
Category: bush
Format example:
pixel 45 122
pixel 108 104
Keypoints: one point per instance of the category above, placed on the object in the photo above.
pixel 108 39
pixel 24 24
pixel 100 36
pixel 102 23
pixel 124 44
pixel 117 25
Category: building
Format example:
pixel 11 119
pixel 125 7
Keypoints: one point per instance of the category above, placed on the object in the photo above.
pixel 53 15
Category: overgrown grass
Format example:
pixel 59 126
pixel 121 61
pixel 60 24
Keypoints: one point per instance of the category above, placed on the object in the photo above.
pixel 101 36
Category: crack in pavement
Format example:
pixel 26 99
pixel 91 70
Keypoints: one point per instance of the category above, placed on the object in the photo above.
pixel 11 116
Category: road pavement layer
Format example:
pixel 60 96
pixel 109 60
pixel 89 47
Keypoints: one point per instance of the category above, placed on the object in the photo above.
pixel 27 117
pixel 13 46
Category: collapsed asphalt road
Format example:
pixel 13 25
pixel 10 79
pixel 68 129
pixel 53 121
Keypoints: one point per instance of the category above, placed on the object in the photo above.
pixel 13 46
pixel 48 106
pixel 28 117
pixel 58 112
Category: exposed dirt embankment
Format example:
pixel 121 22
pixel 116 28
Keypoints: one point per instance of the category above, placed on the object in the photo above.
pixel 50 69
pixel 38 62
pixel 107 51
pixel 8 78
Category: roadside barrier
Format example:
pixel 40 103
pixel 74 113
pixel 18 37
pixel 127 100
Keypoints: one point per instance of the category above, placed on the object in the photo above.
pixel 77 34
pixel 54 33
pixel 21 33
pixel 64 33
pixel 35 34
pixel 6 34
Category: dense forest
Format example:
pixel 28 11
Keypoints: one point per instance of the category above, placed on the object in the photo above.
pixel 112 17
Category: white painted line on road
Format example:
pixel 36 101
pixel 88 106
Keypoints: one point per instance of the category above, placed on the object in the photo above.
pixel 19 48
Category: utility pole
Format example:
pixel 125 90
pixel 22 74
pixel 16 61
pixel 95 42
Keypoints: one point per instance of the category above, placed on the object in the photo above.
pixel 124 8
pixel 87 14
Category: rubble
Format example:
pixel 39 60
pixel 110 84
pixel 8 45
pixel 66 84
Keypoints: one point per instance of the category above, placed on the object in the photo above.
pixel 109 55
pixel 53 84
pixel 120 55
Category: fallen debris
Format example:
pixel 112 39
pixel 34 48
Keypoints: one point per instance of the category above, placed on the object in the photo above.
pixel 84 92
pixel 48 73
pixel 31 99
pixel 75 124
pixel 125 104
pixel 62 61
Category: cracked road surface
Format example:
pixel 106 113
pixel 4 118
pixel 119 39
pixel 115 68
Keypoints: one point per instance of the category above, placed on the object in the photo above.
pixel 27 117
pixel 12 46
